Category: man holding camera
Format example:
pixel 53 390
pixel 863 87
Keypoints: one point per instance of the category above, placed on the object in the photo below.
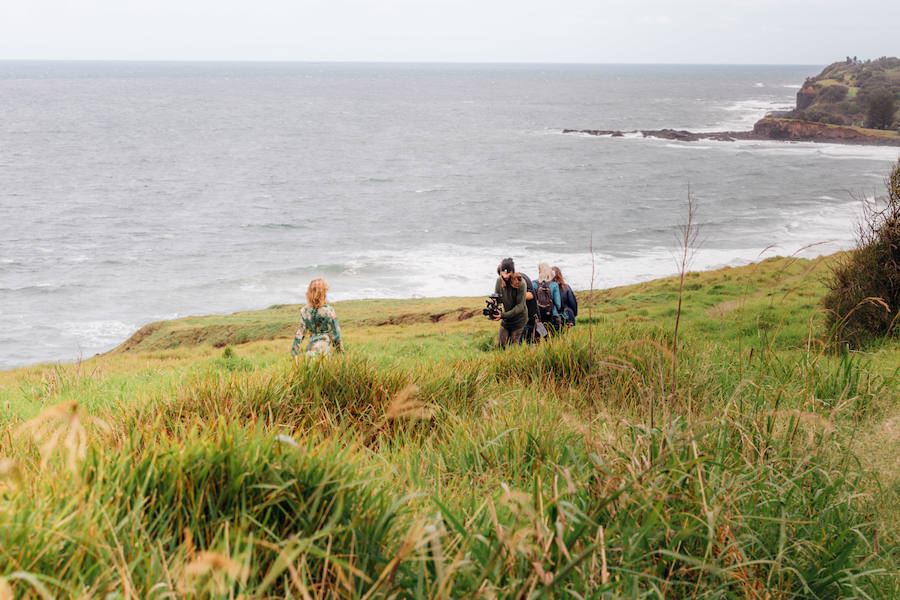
pixel 511 289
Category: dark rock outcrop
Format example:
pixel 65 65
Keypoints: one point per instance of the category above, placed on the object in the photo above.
pixel 791 130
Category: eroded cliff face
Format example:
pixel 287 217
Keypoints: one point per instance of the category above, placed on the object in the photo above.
pixel 805 97
pixel 784 129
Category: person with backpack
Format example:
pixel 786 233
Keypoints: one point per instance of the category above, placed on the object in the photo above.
pixel 568 300
pixel 549 300
pixel 511 288
pixel 532 333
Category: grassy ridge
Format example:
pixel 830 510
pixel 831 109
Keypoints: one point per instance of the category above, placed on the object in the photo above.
pixel 423 463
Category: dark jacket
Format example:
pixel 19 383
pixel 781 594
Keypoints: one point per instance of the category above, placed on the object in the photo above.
pixel 531 305
pixel 515 313
pixel 569 303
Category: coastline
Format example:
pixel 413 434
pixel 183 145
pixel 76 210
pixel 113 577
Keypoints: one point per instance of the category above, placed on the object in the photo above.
pixel 766 129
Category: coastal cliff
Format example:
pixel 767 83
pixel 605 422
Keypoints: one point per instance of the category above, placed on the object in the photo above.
pixel 852 93
pixel 849 102
pixel 808 131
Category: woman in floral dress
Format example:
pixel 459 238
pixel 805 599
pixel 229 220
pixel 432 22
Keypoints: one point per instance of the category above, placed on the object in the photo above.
pixel 318 323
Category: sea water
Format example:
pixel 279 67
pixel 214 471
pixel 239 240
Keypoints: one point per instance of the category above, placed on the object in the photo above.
pixel 133 192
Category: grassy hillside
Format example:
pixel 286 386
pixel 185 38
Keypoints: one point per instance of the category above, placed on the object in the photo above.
pixel 199 460
pixel 841 94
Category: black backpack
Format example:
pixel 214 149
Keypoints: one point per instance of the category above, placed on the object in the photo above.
pixel 545 302
pixel 531 305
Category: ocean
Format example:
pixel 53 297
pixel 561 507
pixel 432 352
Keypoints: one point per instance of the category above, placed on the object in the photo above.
pixel 134 192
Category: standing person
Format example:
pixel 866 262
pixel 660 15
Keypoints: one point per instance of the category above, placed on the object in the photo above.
pixel 528 335
pixel 549 300
pixel 318 323
pixel 569 301
pixel 511 288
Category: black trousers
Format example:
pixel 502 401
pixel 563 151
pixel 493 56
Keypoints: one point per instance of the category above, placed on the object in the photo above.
pixel 509 336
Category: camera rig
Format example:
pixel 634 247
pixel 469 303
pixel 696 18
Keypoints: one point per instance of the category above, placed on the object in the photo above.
pixel 492 309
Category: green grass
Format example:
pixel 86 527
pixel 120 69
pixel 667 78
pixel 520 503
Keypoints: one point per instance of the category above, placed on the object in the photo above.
pixel 202 461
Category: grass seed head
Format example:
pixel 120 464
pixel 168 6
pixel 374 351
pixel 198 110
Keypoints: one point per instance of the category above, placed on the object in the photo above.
pixel 6 592
pixel 10 475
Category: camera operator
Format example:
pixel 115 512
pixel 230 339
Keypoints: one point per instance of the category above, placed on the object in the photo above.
pixel 511 289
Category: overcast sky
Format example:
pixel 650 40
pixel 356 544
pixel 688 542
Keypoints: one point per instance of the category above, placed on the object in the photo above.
pixel 598 31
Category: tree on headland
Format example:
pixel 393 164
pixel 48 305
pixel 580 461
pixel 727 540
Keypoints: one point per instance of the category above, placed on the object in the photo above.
pixel 880 114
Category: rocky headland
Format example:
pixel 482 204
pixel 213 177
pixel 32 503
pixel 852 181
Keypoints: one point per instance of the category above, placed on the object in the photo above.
pixel 850 102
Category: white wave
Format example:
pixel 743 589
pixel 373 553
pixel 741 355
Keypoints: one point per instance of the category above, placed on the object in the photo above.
pixel 792 86
pixel 452 270
pixel 580 134
pixel 253 287
pixel 171 316
pixel 759 84
pixel 97 335
pixel 835 151
pixel 758 105
pixel 536 242
pixel 688 145
pixel 887 153
pixel 742 114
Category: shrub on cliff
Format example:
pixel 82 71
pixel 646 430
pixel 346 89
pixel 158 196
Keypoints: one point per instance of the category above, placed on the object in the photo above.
pixel 863 301
pixel 821 116
pixel 880 113
pixel 833 93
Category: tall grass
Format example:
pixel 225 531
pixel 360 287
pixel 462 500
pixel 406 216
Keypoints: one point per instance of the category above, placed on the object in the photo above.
pixel 569 469
pixel 730 507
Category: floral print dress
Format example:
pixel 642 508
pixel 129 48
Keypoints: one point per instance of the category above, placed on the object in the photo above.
pixel 319 326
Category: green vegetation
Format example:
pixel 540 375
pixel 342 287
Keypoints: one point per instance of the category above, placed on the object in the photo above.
pixel 880 114
pixel 199 460
pixel 863 300
pixel 854 93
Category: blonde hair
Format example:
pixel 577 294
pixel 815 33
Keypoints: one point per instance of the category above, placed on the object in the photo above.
pixel 545 273
pixel 316 293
